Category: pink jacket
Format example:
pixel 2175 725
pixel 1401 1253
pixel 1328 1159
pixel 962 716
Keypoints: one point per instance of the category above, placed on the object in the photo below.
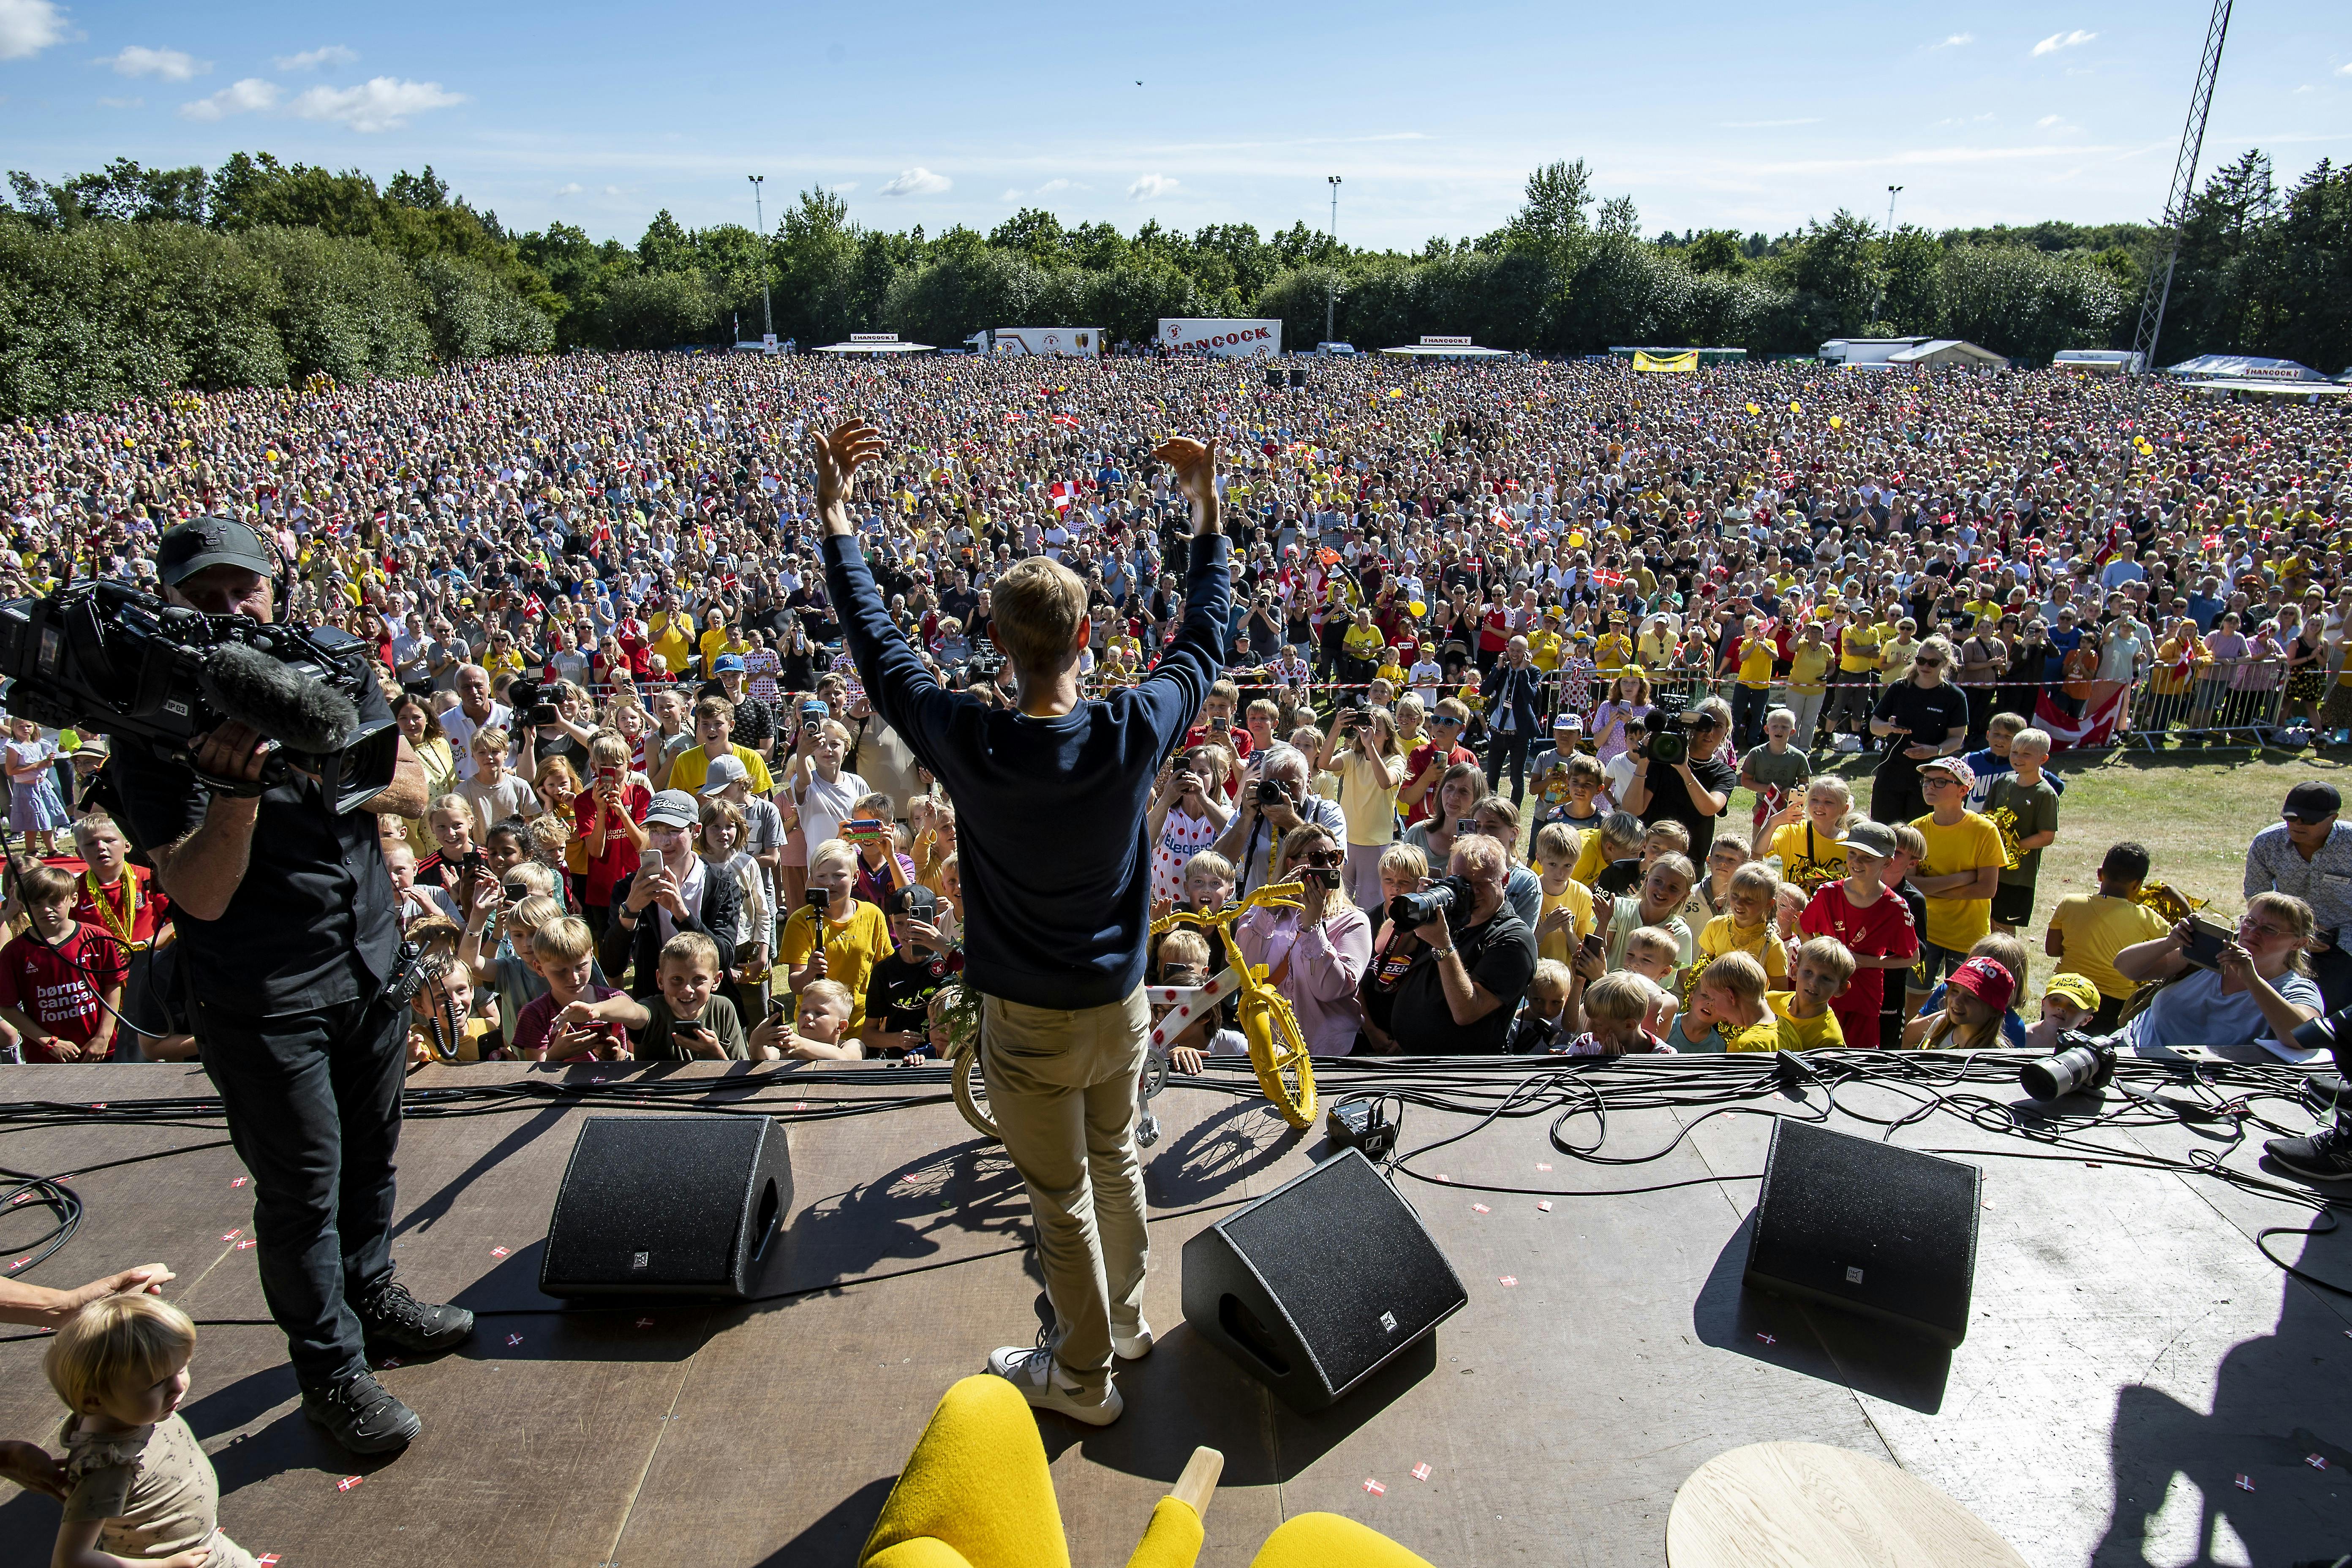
pixel 1325 965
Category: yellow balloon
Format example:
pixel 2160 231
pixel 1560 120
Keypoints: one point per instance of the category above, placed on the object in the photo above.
pixel 1418 608
pixel 1836 423
pixel 1753 409
pixel 1794 408
pixel 271 454
pixel 1576 542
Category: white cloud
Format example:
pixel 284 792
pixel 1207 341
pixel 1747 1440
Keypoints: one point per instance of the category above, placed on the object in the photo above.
pixel 172 65
pixel 1768 124
pixel 1009 196
pixel 238 98
pixel 2046 122
pixel 2056 41
pixel 570 188
pixel 1151 187
pixel 122 103
pixel 612 189
pixel 918 181
pixel 842 188
pixel 312 60
pixel 1955 41
pixel 1050 186
pixel 381 103
pixel 28 26
pixel 2344 69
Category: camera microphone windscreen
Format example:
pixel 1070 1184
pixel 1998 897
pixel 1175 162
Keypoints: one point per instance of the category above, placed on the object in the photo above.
pixel 254 689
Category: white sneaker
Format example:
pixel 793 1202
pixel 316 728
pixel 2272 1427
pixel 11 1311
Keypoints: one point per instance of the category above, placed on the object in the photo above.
pixel 1133 1344
pixel 1044 1383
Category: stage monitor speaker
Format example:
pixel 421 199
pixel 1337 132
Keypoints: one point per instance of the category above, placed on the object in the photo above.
pixel 1317 1285
pixel 1854 1223
pixel 1298 377
pixel 1274 377
pixel 670 1205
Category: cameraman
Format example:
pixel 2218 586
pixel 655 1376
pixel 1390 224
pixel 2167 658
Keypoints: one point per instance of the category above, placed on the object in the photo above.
pixel 287 936
pixel 1274 800
pixel 1458 997
pixel 1692 789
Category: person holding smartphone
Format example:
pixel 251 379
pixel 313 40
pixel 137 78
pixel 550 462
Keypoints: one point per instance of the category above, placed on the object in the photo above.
pixel 608 819
pixel 1314 955
pixel 2243 997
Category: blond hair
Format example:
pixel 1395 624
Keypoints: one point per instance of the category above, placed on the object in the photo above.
pixel 1181 946
pixel 118 1344
pixel 1551 978
pixel 1404 859
pixel 1038 604
pixel 1738 972
pixel 1829 955
pixel 831 850
pixel 564 940
pixel 692 947
pixel 1618 997
pixel 830 990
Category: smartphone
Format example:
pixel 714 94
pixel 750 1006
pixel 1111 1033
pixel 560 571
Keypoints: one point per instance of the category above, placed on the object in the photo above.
pixel 1463 825
pixel 1220 724
pixel 1594 947
pixel 2206 941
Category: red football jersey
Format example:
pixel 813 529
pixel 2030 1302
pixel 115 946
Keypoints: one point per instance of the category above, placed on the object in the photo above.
pixel 1881 931
pixel 48 985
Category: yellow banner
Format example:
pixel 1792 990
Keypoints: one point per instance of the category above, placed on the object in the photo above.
pixel 1681 364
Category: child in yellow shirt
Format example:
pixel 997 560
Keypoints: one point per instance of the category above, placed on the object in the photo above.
pixel 1567 915
pixel 1823 967
pixel 1747 926
pixel 1727 1011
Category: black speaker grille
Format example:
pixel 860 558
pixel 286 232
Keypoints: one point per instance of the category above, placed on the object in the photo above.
pixel 1339 1249
pixel 657 1201
pixel 1887 1231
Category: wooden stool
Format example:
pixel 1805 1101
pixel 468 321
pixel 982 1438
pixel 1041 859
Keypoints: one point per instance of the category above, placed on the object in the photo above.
pixel 1807 1505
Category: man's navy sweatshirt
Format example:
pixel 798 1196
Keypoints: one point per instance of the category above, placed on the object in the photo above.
pixel 1056 870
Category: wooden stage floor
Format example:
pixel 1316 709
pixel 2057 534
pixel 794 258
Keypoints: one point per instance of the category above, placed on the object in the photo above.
pixel 2132 1356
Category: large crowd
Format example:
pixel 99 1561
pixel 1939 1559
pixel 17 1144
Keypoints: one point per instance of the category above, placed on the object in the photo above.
pixel 1500 645
pixel 1526 624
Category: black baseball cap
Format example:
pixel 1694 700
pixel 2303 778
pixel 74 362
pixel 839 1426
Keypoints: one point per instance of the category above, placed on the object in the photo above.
pixel 2312 803
pixel 204 542
pixel 915 901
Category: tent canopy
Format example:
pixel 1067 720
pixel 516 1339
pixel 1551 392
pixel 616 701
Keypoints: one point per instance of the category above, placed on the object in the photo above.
pixel 2245 367
pixel 1445 350
pixel 1948 351
pixel 872 346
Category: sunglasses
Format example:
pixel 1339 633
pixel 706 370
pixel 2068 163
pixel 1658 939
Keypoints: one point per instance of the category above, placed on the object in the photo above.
pixel 1928 663
pixel 1325 859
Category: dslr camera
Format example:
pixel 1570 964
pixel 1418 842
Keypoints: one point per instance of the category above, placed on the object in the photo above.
pixel 1269 792
pixel 1666 729
pixel 1441 897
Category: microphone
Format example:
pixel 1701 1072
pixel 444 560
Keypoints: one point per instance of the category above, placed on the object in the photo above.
pixel 272 697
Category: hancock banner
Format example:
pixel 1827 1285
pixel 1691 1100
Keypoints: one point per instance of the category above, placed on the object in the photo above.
pixel 1226 337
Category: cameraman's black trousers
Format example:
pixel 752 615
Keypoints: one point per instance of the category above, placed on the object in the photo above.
pixel 313 1105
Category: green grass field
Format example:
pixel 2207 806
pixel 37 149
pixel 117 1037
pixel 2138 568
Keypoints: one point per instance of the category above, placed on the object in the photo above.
pixel 2194 813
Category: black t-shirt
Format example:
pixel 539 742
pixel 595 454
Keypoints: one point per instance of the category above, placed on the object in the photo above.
pixel 1670 800
pixel 313 922
pixel 898 993
pixel 1932 714
pixel 1500 955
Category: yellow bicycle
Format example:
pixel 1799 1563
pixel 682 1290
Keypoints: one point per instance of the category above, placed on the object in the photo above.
pixel 1277 1051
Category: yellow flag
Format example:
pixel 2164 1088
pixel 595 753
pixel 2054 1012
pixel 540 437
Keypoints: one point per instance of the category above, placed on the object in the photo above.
pixel 1753 409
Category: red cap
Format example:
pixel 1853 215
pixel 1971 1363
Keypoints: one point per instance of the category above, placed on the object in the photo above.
pixel 1986 981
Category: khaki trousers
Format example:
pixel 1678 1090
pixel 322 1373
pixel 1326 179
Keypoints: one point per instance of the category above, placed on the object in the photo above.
pixel 1061 1086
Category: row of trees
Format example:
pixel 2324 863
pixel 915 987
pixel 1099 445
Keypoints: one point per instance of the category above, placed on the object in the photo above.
pixel 130 278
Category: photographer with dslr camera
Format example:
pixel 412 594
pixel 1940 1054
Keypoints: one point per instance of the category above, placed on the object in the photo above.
pixel 1677 776
pixel 1459 993
pixel 1274 799
pixel 290 950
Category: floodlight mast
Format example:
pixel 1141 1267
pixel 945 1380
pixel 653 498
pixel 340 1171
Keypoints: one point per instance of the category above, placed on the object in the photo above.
pixel 2176 213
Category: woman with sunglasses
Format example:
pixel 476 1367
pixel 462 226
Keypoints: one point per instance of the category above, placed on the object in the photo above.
pixel 1921 716
pixel 1314 955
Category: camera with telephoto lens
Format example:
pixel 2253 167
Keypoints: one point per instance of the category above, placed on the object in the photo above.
pixel 2083 1061
pixel 1666 729
pixel 1270 792
pixel 1447 893
pixel 108 658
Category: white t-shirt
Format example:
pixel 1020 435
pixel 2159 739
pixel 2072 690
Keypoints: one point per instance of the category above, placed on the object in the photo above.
pixel 460 730
pixel 825 806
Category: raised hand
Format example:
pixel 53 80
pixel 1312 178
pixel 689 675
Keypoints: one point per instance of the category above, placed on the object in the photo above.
pixel 839 455
pixel 1195 467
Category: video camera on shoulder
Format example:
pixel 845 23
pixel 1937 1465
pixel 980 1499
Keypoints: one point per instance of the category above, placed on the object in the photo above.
pixel 1666 728
pixel 528 698
pixel 107 656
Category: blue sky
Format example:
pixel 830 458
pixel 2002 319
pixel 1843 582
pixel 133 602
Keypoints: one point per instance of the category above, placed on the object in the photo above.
pixel 1709 114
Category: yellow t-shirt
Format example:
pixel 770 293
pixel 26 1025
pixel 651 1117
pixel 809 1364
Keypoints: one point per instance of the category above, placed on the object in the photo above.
pixel 1589 860
pixel 2093 928
pixel 1972 842
pixel 1859 652
pixel 1761 941
pixel 1755 663
pixel 852 948
pixel 1774 1034
pixel 691 766
pixel 1613 652
pixel 1808 668
pixel 1367 800
pixel 1578 897
pixel 1807 859
pixel 675 652
pixel 1543 649
pixel 1898 655
pixel 1811 1033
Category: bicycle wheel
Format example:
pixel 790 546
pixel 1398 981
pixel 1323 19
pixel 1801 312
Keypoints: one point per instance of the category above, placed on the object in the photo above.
pixel 971 1085
pixel 1279 1054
